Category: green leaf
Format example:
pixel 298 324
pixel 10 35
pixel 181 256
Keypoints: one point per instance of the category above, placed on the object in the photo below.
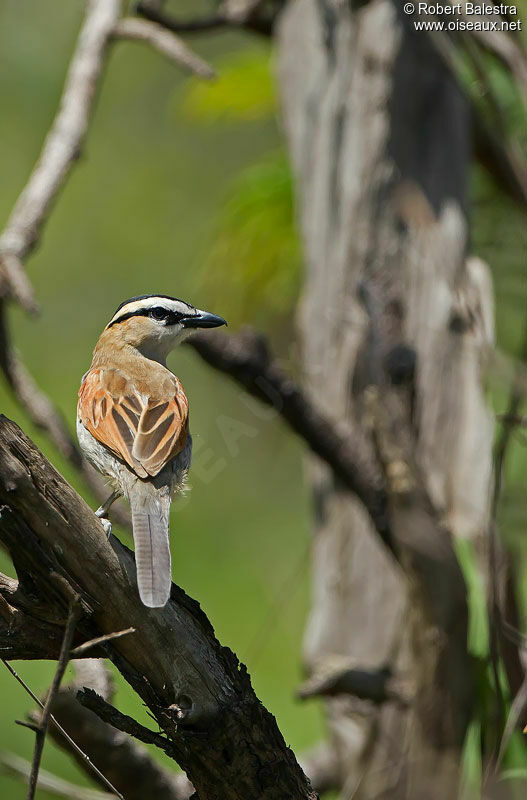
pixel 244 91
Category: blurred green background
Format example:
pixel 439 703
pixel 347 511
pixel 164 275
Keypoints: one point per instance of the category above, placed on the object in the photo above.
pixel 184 188
pixel 171 180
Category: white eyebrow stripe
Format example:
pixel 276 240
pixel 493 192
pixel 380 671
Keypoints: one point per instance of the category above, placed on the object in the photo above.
pixel 151 302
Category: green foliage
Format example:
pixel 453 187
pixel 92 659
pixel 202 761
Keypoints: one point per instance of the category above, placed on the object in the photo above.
pixel 478 634
pixel 471 763
pixel 244 90
pixel 252 263
pixel 254 259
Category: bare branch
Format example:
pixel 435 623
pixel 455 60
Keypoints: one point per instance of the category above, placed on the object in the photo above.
pixel 25 724
pixel 112 716
pixel 165 42
pixel 12 764
pixel 83 648
pixel 127 764
pixel 231 13
pixel 336 676
pixel 245 358
pixel 74 615
pixel 200 25
pixel 197 691
pixel 23 228
pixel 13 278
pixel 61 148
pixel 21 636
pixel 72 744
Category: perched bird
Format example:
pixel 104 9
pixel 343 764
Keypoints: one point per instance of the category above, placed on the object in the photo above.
pixel 132 424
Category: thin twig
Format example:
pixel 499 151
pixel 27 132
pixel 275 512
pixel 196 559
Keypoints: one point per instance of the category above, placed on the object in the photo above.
pixel 165 42
pixel 23 229
pixel 122 759
pixel 25 724
pixel 14 765
pixel 108 713
pixel 74 614
pixel 13 278
pixel 64 733
pixel 82 648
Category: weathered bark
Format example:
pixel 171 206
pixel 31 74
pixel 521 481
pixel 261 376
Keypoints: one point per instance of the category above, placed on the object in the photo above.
pixel 379 139
pixel 218 731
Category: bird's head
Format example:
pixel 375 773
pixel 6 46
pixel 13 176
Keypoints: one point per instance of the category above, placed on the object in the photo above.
pixel 156 323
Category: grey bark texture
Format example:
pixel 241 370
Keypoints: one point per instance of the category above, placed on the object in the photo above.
pixel 394 323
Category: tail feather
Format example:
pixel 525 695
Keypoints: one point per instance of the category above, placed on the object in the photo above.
pixel 152 555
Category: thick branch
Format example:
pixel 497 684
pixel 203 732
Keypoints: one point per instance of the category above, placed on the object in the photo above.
pixel 377 685
pixel 21 635
pixel 199 694
pixel 245 14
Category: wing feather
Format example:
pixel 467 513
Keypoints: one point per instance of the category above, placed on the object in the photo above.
pixel 145 432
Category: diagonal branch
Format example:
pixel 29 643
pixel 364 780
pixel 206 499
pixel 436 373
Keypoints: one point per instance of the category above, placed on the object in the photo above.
pixel 246 14
pixel 80 754
pixel 123 722
pixel 165 42
pixel 199 694
pixel 12 764
pixel 245 358
pixel 21 635
pixel 61 149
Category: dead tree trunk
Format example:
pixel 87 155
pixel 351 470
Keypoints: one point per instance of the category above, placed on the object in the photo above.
pixel 393 324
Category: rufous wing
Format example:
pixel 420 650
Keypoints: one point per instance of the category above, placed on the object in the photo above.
pixel 145 432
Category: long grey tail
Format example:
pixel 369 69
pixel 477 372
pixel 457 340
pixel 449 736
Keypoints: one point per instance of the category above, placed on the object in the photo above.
pixel 150 511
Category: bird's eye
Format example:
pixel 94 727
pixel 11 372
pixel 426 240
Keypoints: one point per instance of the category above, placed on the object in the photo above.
pixel 158 313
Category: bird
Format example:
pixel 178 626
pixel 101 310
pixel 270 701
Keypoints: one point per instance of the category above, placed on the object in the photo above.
pixel 133 424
